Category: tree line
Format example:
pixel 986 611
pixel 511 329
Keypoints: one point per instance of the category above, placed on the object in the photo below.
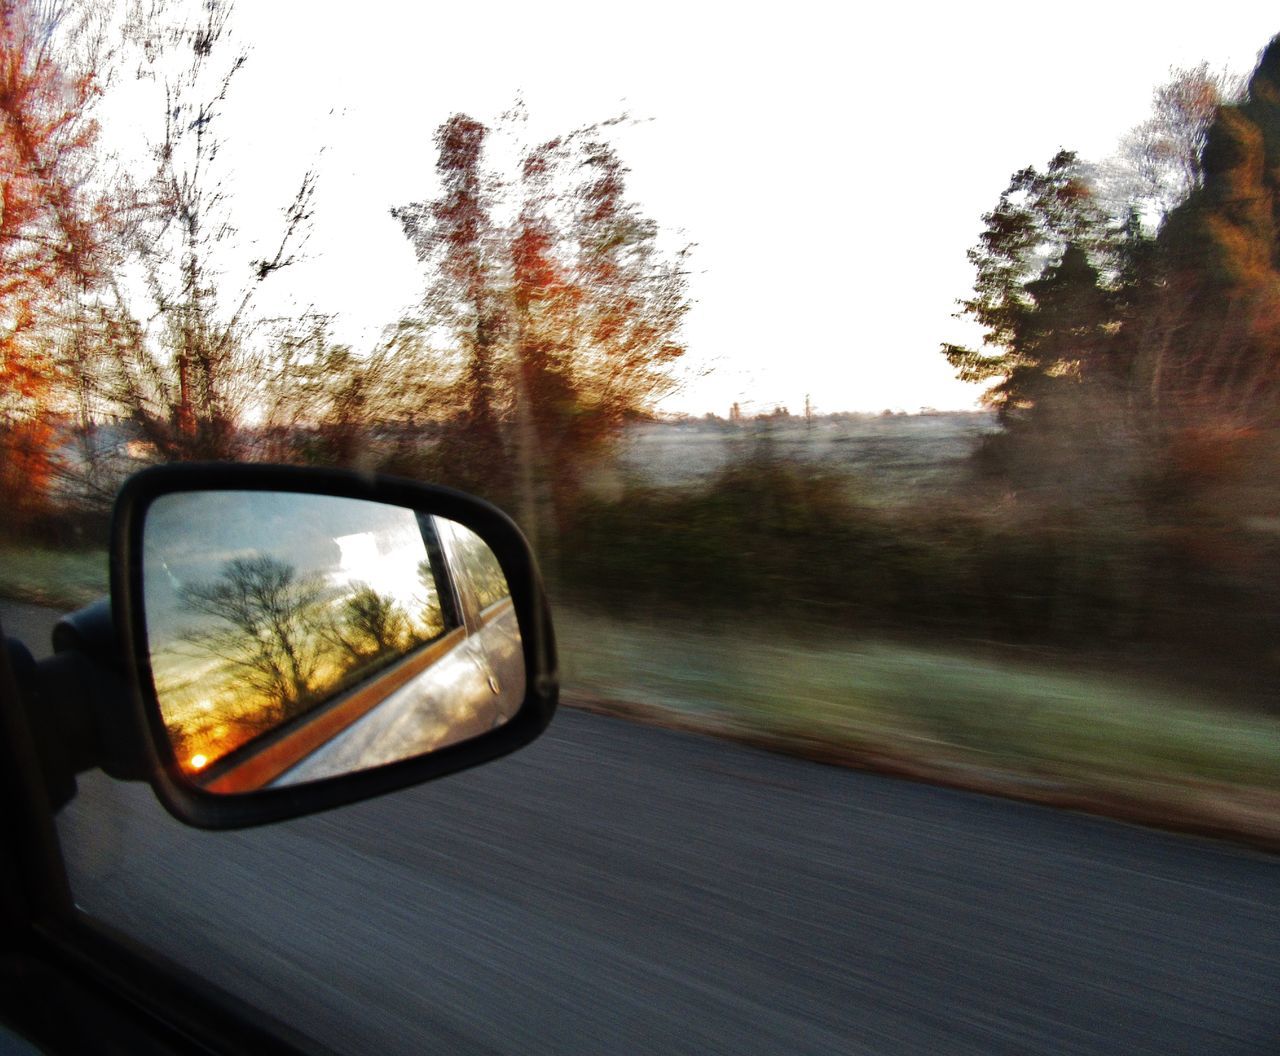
pixel 550 312
pixel 1129 498
pixel 1142 316
pixel 1132 346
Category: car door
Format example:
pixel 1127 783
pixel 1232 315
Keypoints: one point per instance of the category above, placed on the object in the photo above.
pixel 70 982
pixel 493 637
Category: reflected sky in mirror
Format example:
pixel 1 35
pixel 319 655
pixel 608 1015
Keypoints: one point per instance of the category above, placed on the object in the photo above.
pixel 191 536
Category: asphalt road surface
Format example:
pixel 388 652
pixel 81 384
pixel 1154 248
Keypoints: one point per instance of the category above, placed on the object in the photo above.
pixel 618 889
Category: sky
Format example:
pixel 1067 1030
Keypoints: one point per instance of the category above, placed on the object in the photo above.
pixel 830 165
pixel 191 536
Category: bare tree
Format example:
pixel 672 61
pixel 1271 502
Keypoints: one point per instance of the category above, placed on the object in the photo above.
pixel 1160 159
pixel 266 626
pixel 183 366
pixel 367 626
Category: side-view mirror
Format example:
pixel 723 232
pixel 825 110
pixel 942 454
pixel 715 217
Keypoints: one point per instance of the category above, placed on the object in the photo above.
pixel 303 638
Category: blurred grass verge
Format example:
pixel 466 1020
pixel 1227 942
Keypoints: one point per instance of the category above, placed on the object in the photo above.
pixel 1084 741
pixel 58 579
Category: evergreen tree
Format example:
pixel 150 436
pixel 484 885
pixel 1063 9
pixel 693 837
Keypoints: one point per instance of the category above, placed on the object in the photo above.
pixel 1037 245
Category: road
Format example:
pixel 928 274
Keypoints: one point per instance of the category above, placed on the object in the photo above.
pixel 615 888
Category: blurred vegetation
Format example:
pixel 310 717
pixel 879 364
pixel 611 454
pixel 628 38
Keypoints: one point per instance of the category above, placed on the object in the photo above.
pixel 770 543
pixel 62 579
pixel 1127 509
pixel 1129 503
pixel 923 702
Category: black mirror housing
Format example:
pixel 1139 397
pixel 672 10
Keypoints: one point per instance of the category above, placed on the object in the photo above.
pixel 198 802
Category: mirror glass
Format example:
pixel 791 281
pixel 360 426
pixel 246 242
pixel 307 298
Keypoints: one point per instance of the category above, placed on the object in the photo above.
pixel 296 637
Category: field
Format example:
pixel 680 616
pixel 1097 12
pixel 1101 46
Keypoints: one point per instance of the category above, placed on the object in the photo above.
pixel 891 455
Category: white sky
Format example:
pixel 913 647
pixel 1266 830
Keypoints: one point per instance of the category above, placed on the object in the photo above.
pixel 830 163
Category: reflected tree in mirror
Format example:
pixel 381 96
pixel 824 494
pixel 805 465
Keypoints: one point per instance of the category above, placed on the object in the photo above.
pixel 369 625
pixel 264 622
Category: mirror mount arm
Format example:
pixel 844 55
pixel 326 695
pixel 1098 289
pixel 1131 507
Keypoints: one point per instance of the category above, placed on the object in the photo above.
pixel 78 703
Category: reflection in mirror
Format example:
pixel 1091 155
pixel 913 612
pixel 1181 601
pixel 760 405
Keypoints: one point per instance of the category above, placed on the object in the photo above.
pixel 295 637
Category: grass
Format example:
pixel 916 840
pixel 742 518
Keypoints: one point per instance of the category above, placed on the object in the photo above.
pixel 62 579
pixel 849 697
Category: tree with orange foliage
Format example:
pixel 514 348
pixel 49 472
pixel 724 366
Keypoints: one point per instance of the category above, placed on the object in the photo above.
pixel 565 317
pixel 49 230
pixel 456 235
pixel 545 301
pixel 635 296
